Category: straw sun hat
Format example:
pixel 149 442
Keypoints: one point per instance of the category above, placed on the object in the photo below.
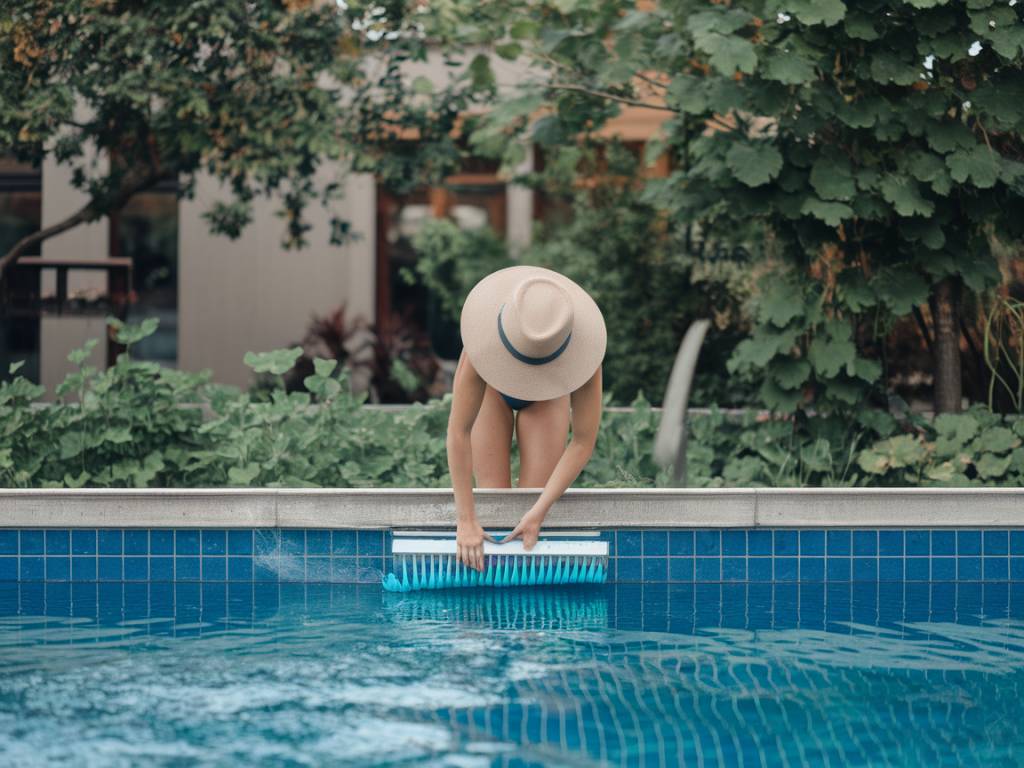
pixel 532 333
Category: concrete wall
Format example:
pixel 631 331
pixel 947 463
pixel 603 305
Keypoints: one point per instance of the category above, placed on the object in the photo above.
pixel 251 294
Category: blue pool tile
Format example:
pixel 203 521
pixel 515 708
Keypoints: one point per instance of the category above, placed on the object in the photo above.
pixel 680 543
pixel 890 568
pixel 997 543
pixel 318 569
pixel 239 569
pixel 83 568
pixel 136 569
pixel 838 568
pixel 865 569
pixel 812 543
pixel 318 542
pixel 787 542
pixel 369 543
pixel 1017 543
pixel 343 543
pixel 240 542
pixel 111 541
pixel 607 536
pixel 734 568
pixel 266 542
pixel 707 569
pixel 161 568
pixel 214 568
pixel 943 568
pixel 968 568
pixel 31 568
pixel 1017 568
pixel 734 543
pixel 707 543
pixel 759 542
pixel 58 568
pixel 786 568
pixel 996 568
pixel 293 541
pixel 944 543
pixel 838 543
pixel 917 568
pixel 629 569
pixel 968 543
pixel 58 542
pixel 759 568
pixel 186 542
pixel 812 568
pixel 8 542
pixel 264 572
pixel 214 542
pixel 655 543
pixel 109 568
pixel 345 570
pixel 136 542
pixel 628 544
pixel 31 542
pixel 655 569
pixel 918 542
pixel 83 542
pixel 8 569
pixel 370 570
pixel 890 543
pixel 681 568
pixel 161 542
pixel 865 543
pixel 186 569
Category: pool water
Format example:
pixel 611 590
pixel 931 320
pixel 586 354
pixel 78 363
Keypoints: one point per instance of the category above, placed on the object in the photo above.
pixel 706 674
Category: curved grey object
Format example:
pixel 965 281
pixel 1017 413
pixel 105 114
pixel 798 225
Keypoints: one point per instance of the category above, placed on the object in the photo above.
pixel 670 442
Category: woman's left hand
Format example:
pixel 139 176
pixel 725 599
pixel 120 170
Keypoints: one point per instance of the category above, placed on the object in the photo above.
pixel 528 529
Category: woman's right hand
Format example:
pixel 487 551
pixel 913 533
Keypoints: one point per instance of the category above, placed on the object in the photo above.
pixel 469 543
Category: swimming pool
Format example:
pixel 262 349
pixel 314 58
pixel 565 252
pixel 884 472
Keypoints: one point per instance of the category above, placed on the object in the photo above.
pixel 908 673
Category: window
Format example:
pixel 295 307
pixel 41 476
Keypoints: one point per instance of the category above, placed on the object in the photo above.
pixel 20 215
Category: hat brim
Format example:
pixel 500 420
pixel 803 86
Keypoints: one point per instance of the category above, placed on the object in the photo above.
pixel 483 346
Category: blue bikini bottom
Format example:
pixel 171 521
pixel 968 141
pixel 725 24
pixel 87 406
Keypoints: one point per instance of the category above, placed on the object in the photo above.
pixel 515 403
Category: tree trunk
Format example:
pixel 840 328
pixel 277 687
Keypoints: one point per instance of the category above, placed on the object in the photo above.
pixel 945 306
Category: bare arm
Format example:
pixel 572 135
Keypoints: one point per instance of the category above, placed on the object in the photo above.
pixel 467 395
pixel 586 420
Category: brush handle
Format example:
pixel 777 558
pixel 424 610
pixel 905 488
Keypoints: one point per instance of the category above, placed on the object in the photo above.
pixel 549 548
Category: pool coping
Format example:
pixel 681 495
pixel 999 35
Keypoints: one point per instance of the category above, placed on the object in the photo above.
pixel 430 508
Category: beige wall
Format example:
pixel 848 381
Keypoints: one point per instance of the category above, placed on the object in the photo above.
pixel 58 335
pixel 251 294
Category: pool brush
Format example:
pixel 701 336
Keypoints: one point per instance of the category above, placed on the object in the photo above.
pixel 427 561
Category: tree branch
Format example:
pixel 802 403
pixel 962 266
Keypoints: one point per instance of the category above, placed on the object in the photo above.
pixel 87 213
pixel 611 96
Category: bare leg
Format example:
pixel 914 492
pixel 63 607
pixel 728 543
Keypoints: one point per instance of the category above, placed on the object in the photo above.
pixel 541 431
pixel 491 441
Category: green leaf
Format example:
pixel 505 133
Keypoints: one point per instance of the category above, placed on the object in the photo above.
pixel 946 135
pixel 509 51
pixel 422 85
pixel 829 355
pixel 979 164
pixel 827 12
pixel 277 362
pixel 905 195
pixel 754 164
pixel 998 440
pixel 832 178
pixel 831 213
pixel 789 68
pixel 991 466
pixel 887 67
pixel 729 53
pixel 80 355
pixel 782 300
pixel 13 368
pixel 790 372
pixel 243 475
pixel 900 289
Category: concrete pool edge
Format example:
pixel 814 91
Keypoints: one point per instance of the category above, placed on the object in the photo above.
pixel 383 508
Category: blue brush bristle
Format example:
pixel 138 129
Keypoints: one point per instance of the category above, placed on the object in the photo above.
pixel 415 572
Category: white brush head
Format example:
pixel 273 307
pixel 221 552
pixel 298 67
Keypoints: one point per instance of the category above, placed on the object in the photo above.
pixel 576 544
